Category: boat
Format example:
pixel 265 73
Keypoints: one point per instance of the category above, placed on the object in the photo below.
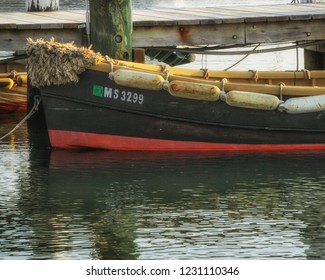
pixel 13 92
pixel 121 105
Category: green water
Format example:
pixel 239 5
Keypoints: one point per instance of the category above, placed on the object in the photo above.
pixel 57 204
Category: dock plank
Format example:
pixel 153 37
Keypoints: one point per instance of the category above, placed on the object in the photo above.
pixel 39 18
pixel 164 26
pixel 203 18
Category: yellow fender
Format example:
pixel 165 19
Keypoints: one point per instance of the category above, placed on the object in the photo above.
pixel 21 79
pixel 191 90
pixel 137 79
pixel 251 100
pixel 6 83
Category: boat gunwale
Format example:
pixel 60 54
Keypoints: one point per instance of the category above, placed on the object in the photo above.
pixel 106 66
pixel 201 76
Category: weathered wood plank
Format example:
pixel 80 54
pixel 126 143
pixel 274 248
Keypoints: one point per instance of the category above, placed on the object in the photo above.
pixel 291 31
pixel 215 17
pixel 205 16
pixel 169 26
pixel 189 35
pixel 63 16
pixel 17 40
pixel 144 18
pixel 36 20
pixel 267 13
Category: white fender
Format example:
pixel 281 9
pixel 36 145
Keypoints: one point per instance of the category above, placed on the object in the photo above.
pixel 308 104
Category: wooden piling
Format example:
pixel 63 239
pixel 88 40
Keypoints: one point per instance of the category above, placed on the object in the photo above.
pixel 314 57
pixel 111 28
pixel 42 5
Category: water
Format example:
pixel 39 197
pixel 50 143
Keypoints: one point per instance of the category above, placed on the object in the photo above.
pixel 58 204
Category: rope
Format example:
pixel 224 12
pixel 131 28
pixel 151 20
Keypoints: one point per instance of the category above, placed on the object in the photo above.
pixel 37 100
pixel 210 50
pixel 281 90
pixel 223 83
pixel 204 61
pixel 240 60
pixel 255 75
pixel 297 58
pixel 205 73
pixel 88 22
pixel 307 74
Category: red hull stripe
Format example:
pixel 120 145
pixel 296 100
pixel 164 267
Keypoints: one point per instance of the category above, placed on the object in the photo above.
pixel 8 107
pixel 69 140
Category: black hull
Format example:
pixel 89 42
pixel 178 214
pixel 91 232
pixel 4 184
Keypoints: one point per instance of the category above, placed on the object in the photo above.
pixel 98 113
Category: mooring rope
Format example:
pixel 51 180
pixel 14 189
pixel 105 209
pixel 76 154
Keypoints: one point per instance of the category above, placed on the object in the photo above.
pixel 214 50
pixel 37 100
pixel 243 58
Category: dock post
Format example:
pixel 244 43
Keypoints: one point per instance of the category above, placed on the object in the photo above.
pixel 42 5
pixel 314 57
pixel 111 27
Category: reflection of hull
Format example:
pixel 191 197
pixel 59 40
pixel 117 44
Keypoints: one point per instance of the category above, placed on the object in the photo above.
pixel 13 100
pixel 216 169
pixel 197 205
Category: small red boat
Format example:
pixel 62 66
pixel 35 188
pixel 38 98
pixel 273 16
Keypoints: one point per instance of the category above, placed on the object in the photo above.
pixel 13 92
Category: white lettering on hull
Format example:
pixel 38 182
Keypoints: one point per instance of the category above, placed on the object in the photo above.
pixel 119 95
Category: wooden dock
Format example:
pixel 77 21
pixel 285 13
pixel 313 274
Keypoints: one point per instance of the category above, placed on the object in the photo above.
pixel 158 27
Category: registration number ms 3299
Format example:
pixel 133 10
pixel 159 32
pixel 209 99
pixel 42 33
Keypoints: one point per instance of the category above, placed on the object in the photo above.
pixel 116 94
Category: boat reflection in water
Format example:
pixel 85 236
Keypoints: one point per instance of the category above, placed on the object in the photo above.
pixel 136 205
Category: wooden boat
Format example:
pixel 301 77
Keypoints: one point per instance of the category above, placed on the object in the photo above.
pixel 121 105
pixel 13 92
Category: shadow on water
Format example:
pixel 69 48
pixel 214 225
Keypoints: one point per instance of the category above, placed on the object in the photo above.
pixel 137 205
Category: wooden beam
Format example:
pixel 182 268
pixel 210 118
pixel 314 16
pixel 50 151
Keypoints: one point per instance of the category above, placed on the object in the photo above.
pixel 12 40
pixel 161 27
pixel 188 35
pixel 259 32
